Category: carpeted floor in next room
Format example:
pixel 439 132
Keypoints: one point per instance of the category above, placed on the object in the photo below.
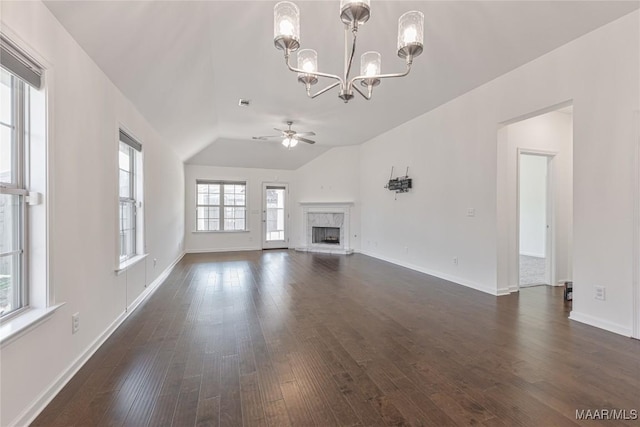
pixel 532 271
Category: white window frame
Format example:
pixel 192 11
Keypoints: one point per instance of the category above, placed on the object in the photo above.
pixel 17 186
pixel 134 201
pixel 221 206
pixel 39 302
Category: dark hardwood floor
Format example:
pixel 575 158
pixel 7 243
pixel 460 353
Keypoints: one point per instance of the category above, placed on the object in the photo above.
pixel 281 338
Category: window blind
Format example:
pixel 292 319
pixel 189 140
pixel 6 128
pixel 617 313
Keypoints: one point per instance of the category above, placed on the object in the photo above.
pixel 19 64
pixel 127 139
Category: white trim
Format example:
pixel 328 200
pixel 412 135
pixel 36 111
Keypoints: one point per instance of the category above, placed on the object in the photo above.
pixel 287 217
pixel 153 286
pixel 347 203
pixel 17 326
pixel 220 231
pixel 343 208
pixel 130 262
pixel 33 410
pixel 550 244
pixel 453 279
pixel 536 113
pixel 221 206
pixel 600 323
pixel 241 249
pixel 635 321
pixel 48 89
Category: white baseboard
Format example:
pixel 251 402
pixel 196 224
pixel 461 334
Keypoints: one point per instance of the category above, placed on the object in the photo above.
pixel 38 405
pixel 450 278
pixel 153 286
pixel 507 290
pixel 204 251
pixel 600 323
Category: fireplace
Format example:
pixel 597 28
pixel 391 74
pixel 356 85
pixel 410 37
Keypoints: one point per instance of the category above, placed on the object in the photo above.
pixel 328 235
pixel 326 227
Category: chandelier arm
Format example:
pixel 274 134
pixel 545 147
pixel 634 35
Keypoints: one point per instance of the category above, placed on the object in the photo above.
pixel 348 59
pixel 311 73
pixel 320 92
pixel 379 76
pixel 367 97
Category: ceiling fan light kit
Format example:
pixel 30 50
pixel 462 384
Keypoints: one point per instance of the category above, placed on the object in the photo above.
pixel 290 142
pixel 353 13
pixel 290 137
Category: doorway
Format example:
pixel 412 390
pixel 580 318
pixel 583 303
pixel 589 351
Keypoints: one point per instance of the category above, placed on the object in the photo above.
pixel 547 134
pixel 535 207
pixel 275 216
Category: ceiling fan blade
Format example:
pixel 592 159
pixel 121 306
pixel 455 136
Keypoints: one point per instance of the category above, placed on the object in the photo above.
pixel 266 137
pixel 279 130
pixel 308 141
pixel 305 133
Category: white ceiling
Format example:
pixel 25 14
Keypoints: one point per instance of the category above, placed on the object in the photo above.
pixel 185 64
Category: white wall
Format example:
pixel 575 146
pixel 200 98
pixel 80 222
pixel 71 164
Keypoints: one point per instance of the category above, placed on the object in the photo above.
pixel 84 112
pixel 551 133
pixel 453 156
pixel 533 205
pixel 331 177
pixel 230 241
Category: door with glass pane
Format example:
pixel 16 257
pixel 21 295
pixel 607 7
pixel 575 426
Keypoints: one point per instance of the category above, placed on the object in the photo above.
pixel 275 216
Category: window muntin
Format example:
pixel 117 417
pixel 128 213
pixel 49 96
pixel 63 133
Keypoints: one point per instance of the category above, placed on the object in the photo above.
pixel 221 206
pixel 14 113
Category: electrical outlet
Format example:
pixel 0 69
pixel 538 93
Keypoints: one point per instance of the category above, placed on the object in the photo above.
pixel 75 323
pixel 455 260
pixel 471 212
pixel 406 249
pixel 600 293
pixel 155 262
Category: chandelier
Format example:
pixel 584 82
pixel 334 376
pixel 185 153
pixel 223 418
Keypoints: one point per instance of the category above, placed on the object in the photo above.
pixel 353 13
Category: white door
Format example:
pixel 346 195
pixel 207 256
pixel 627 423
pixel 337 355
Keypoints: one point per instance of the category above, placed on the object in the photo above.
pixel 275 216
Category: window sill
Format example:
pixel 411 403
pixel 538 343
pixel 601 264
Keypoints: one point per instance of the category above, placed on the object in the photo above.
pixel 12 329
pixel 129 263
pixel 220 231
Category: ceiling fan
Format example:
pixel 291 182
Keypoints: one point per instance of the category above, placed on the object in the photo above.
pixel 289 137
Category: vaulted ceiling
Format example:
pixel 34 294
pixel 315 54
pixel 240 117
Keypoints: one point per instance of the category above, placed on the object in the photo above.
pixel 185 64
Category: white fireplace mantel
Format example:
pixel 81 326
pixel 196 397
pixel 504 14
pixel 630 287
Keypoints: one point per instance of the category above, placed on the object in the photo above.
pixel 327 204
pixel 318 211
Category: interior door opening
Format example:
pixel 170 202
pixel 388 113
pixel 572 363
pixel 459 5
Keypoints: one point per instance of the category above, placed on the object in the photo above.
pixel 275 216
pixel 527 203
pixel 535 206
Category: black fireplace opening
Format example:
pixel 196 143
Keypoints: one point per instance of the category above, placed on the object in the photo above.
pixel 327 235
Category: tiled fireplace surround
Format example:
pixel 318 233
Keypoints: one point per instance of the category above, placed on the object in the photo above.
pixel 326 214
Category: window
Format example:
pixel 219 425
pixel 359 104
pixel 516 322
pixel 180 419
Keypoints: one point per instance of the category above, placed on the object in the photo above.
pixel 12 194
pixel 130 192
pixel 18 74
pixel 221 206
